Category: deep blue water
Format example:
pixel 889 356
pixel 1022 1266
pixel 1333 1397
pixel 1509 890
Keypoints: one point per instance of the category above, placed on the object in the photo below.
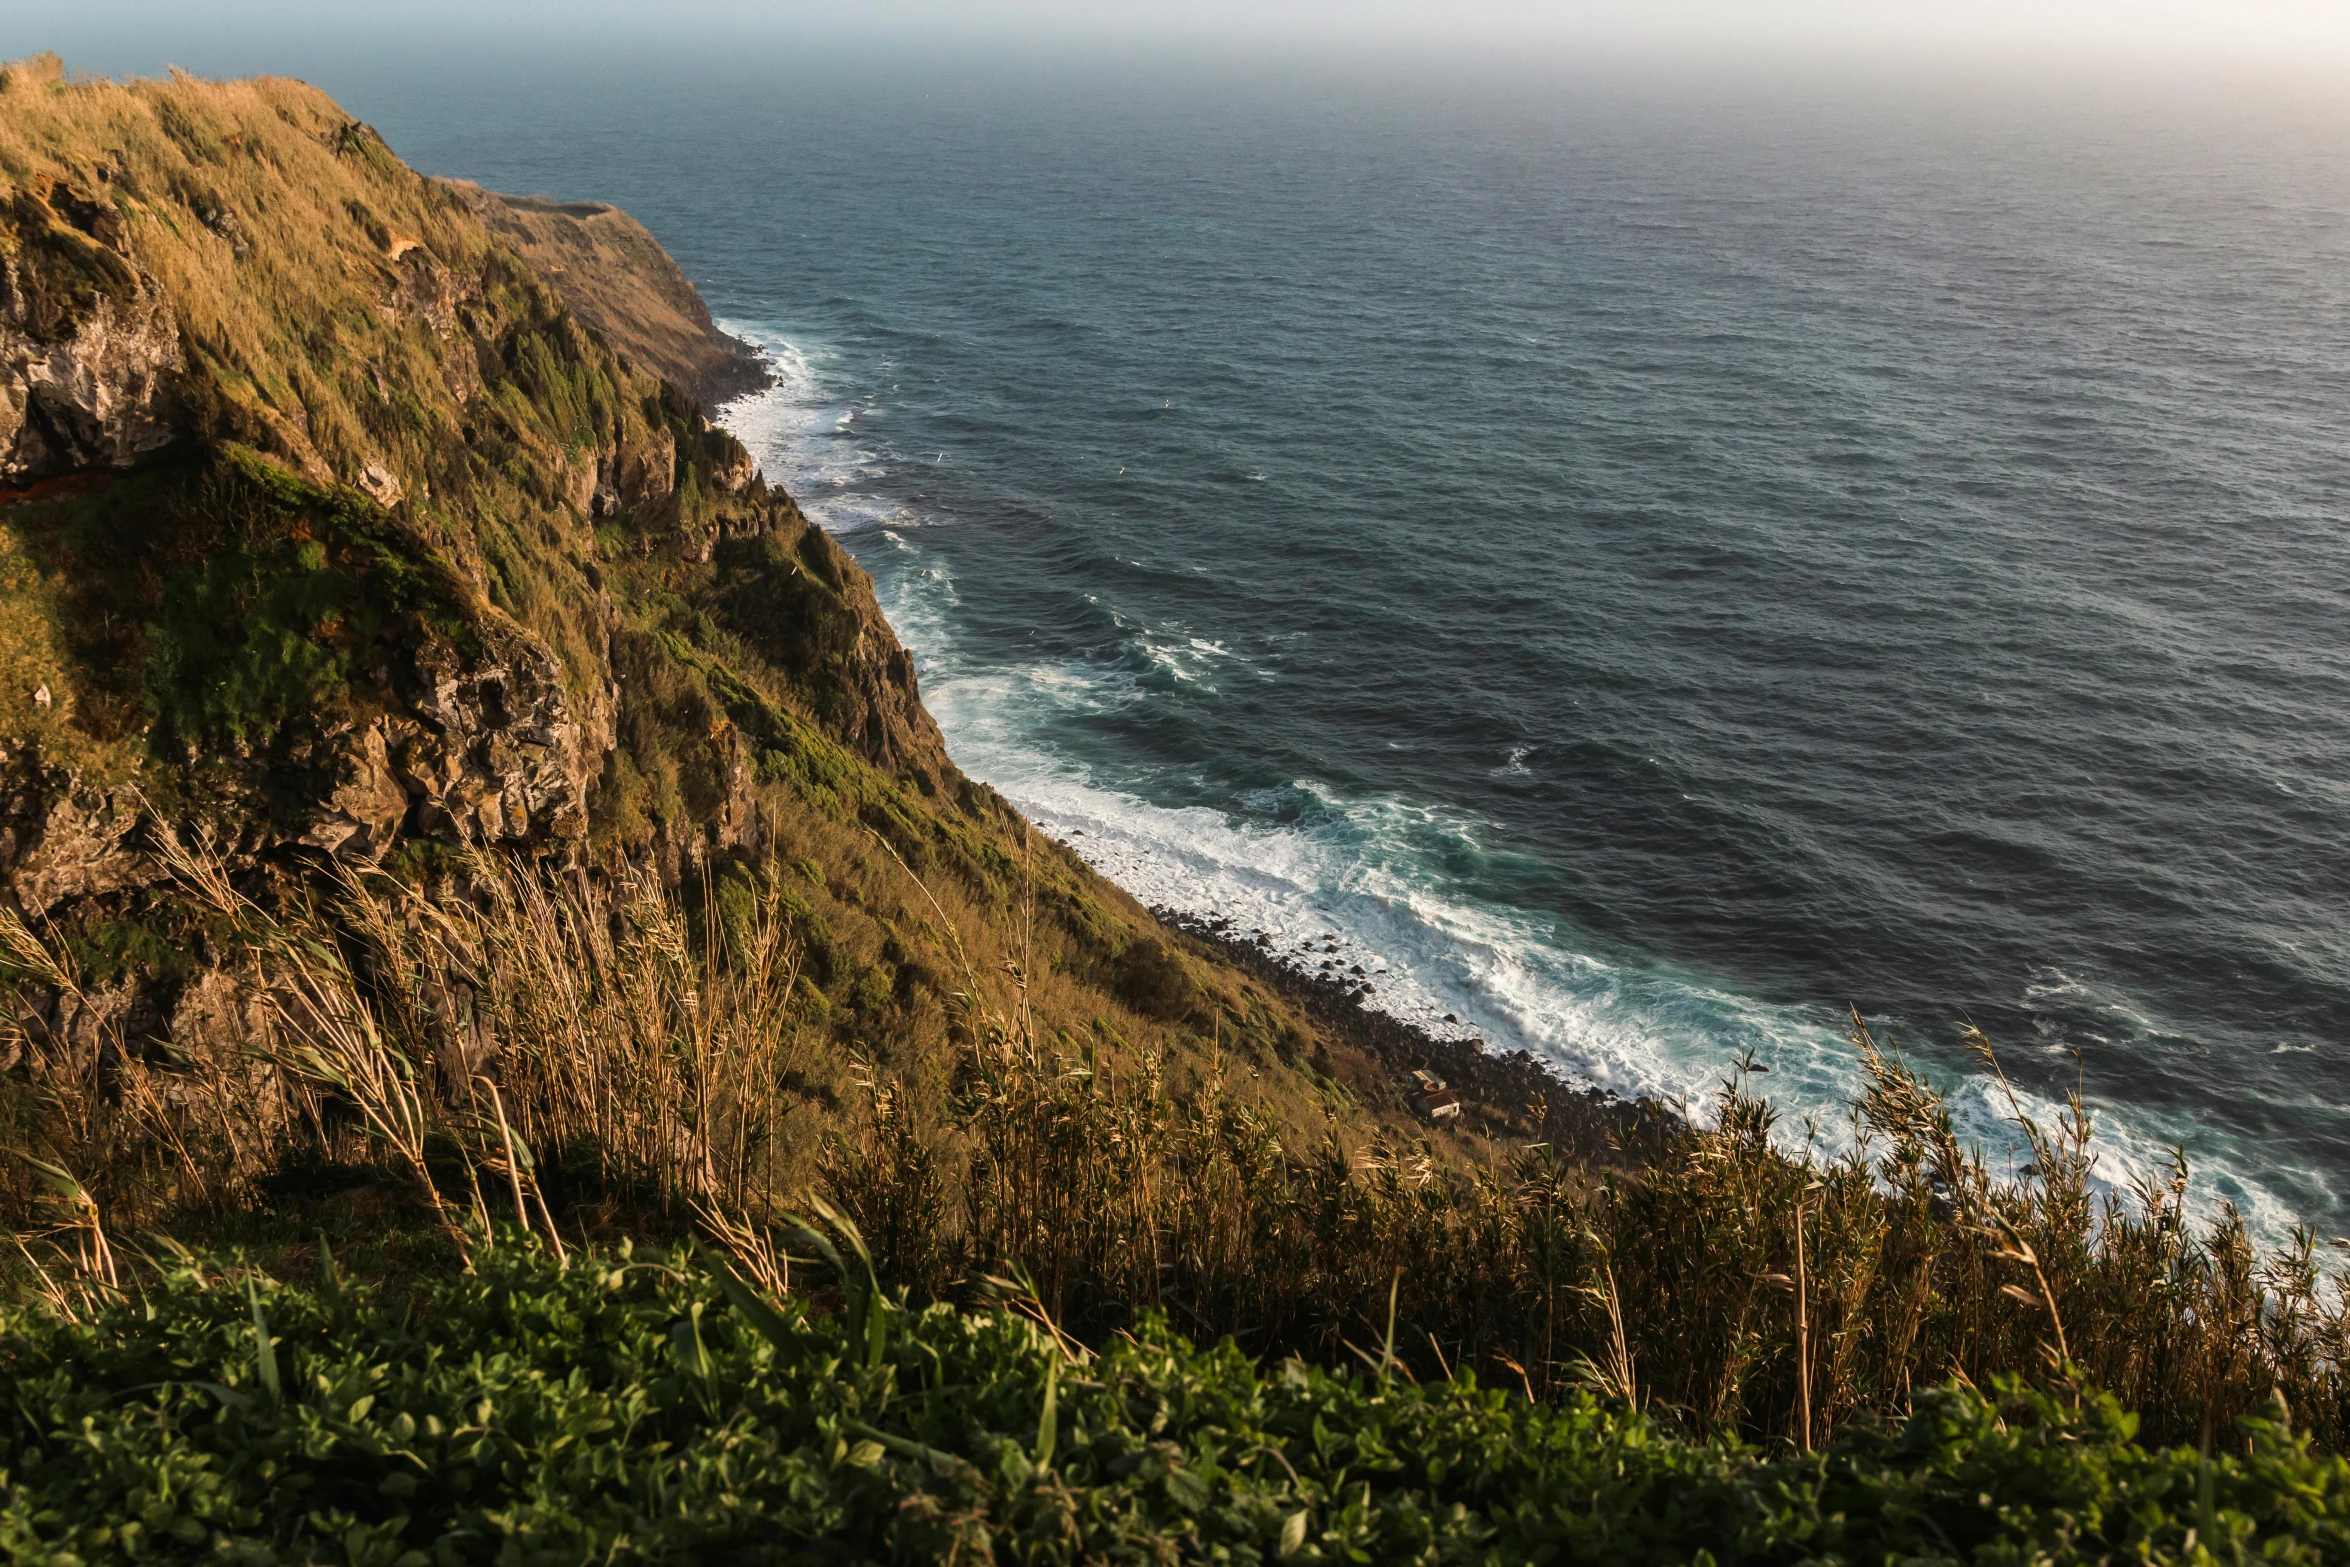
pixel 1647 561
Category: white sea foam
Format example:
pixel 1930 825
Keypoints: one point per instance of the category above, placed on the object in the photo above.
pixel 804 438
pixel 1355 870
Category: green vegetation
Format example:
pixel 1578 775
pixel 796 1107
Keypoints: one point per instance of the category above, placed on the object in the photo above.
pixel 647 1406
pixel 283 600
pixel 754 946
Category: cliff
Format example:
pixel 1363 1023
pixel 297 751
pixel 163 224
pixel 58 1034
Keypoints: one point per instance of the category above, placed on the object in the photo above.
pixel 567 791
pixel 333 521
pixel 354 519
pixel 614 276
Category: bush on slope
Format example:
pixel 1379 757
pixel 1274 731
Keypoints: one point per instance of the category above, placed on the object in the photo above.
pixel 648 1406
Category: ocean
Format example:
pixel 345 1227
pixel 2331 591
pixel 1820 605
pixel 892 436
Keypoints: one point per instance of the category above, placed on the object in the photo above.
pixel 1649 561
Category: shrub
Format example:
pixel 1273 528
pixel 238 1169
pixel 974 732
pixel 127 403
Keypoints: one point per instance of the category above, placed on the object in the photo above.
pixel 646 1406
pixel 1153 980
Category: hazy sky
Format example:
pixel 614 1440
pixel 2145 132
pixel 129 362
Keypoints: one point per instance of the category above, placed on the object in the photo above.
pixel 2292 30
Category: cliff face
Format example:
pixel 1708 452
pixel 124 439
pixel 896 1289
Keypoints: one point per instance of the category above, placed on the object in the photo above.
pixel 353 518
pixel 616 277
pixel 82 379
pixel 332 529
pixel 416 504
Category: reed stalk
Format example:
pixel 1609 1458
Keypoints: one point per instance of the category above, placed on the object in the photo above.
pixel 604 1031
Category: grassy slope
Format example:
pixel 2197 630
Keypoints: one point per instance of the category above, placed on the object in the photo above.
pixel 216 625
pixel 616 277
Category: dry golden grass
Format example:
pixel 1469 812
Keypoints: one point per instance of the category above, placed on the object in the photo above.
pixel 270 218
pixel 593 1056
pixel 616 277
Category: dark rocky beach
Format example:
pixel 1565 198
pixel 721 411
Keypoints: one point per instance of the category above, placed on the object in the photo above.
pixel 1510 1095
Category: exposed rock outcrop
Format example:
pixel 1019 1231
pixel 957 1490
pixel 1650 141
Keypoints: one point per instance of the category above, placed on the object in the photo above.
pixel 89 345
pixel 495 756
pixel 362 814
pixel 430 552
pixel 62 838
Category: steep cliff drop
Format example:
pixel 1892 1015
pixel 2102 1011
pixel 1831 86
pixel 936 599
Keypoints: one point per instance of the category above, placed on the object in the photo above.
pixel 356 521
pixel 616 277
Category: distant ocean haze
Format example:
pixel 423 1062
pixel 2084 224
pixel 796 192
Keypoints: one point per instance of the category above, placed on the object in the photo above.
pixel 1642 564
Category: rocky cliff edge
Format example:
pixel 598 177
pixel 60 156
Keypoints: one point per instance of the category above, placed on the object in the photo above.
pixel 355 521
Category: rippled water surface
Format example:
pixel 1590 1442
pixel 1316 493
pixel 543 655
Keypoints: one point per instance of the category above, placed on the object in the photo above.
pixel 1647 563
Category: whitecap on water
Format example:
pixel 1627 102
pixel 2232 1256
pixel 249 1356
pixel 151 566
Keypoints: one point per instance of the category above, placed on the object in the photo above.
pixel 1352 880
pixel 801 435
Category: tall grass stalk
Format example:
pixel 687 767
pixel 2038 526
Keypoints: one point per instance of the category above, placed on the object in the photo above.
pixel 639 1053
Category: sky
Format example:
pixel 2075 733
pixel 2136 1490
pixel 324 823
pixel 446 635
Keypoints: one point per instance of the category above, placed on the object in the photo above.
pixel 2290 31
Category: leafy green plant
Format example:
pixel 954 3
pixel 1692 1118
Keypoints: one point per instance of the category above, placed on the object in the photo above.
pixel 644 1406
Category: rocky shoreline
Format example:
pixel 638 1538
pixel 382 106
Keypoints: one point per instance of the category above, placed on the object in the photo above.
pixel 1508 1095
